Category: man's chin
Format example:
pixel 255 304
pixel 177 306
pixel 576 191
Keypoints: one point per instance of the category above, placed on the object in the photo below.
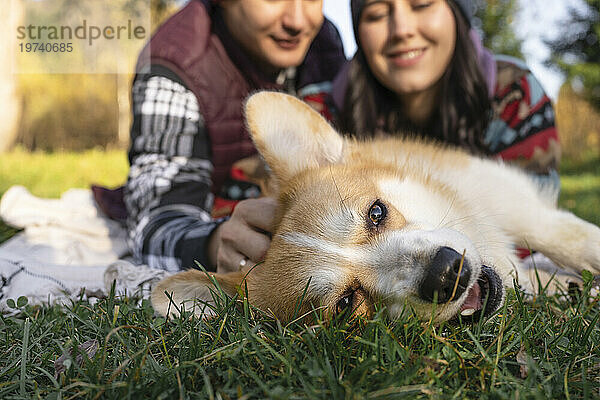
pixel 282 58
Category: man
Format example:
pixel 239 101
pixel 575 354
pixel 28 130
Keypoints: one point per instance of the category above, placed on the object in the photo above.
pixel 188 127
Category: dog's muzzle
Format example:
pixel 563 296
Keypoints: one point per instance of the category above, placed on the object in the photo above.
pixel 487 293
pixel 448 278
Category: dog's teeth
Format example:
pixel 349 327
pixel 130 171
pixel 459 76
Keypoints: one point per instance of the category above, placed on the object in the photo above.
pixel 467 312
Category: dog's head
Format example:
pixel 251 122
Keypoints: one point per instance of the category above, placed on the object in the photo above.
pixel 354 228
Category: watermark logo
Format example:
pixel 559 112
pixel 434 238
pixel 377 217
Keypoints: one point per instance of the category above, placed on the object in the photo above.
pixel 90 33
pixel 65 36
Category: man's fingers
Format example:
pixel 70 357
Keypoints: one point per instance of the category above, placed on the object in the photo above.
pixel 257 213
pixel 229 261
pixel 245 236
pixel 255 247
pixel 241 238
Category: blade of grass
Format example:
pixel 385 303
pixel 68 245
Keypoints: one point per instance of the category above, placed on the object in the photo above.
pixel 24 356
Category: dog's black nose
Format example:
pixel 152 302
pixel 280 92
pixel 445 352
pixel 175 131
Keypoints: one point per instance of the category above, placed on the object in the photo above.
pixel 443 275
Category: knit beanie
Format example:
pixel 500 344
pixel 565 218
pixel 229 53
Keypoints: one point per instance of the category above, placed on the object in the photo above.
pixel 466 7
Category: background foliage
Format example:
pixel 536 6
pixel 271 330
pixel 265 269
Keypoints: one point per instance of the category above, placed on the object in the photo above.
pixel 78 111
pixel 68 112
pixel 576 50
pixel 495 18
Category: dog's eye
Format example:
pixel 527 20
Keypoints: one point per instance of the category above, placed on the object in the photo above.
pixel 377 213
pixel 344 303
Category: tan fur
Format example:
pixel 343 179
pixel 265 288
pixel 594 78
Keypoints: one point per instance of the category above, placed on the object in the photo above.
pixel 434 196
pixel 255 169
pixel 185 288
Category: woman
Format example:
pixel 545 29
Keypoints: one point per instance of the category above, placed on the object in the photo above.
pixel 420 69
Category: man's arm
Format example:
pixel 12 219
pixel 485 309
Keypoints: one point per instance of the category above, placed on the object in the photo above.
pixel 168 193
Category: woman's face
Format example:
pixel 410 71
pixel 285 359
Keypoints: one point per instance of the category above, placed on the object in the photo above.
pixel 276 33
pixel 408 44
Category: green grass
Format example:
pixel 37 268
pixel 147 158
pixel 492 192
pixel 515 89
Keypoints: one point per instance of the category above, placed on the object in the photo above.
pixel 50 174
pixel 580 187
pixel 545 348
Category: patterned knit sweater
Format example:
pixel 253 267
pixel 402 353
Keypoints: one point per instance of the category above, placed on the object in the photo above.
pixel 523 129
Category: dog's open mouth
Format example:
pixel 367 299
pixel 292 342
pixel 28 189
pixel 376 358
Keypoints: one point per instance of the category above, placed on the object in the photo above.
pixel 485 296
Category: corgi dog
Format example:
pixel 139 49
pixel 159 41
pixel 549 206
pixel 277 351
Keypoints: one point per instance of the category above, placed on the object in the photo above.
pixel 396 222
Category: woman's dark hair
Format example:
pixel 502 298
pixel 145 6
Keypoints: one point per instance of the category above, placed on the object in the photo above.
pixel 464 108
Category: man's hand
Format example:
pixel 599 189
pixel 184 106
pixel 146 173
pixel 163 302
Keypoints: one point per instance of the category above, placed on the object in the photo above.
pixel 245 236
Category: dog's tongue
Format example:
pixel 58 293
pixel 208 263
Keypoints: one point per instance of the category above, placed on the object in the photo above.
pixel 473 301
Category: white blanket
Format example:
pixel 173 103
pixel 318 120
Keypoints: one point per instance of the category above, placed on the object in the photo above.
pixel 67 249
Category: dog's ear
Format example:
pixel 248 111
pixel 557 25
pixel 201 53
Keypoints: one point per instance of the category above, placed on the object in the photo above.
pixel 290 135
pixel 194 290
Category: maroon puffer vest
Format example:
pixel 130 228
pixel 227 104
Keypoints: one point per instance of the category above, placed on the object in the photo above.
pixel 189 45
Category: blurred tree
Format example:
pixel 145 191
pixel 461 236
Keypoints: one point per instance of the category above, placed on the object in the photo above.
pixel 578 124
pixel 80 111
pixel 161 9
pixel 576 50
pixel 494 19
pixel 10 99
